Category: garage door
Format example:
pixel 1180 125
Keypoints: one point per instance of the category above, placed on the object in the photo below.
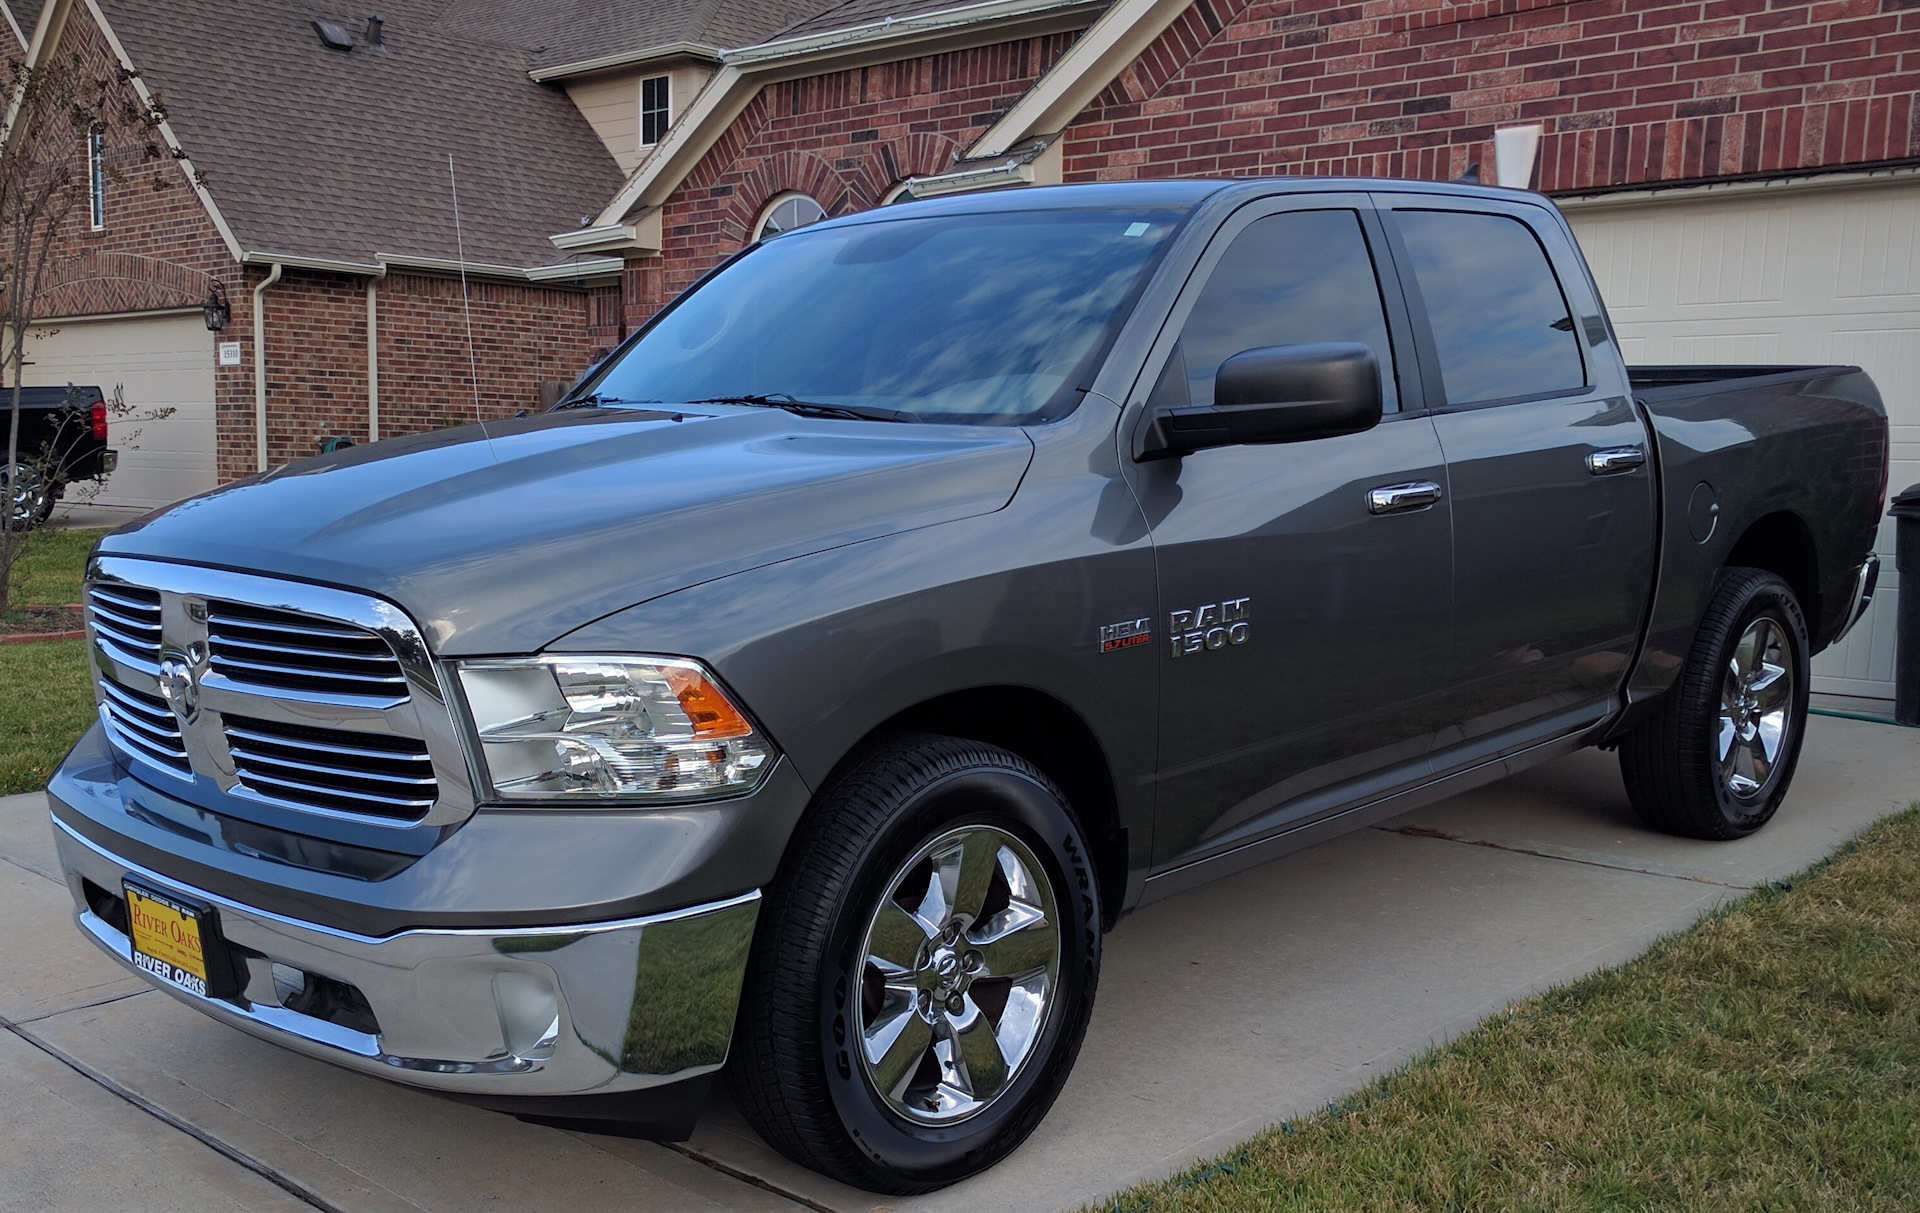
pixel 159 363
pixel 1800 275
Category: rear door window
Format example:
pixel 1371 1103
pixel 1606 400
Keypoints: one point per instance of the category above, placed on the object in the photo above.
pixel 1288 279
pixel 1500 323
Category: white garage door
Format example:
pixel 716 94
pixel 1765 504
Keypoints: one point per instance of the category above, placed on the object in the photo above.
pixel 1806 275
pixel 159 363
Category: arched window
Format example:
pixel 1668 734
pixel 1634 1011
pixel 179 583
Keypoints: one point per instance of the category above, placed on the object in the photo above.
pixel 902 192
pixel 787 212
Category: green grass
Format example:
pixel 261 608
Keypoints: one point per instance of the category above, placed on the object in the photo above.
pixel 45 702
pixel 51 570
pixel 1766 1059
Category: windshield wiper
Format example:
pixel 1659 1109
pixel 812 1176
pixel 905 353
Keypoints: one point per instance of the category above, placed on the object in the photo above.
pixel 593 400
pixel 808 408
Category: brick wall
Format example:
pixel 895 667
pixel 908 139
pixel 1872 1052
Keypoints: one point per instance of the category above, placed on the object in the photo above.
pixel 317 358
pixel 845 138
pixel 161 250
pixel 1628 92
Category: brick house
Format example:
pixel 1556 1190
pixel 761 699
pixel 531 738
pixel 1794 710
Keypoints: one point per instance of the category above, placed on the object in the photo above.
pixel 315 193
pixel 1744 174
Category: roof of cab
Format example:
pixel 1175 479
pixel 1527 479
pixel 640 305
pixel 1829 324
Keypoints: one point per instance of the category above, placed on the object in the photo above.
pixel 1183 194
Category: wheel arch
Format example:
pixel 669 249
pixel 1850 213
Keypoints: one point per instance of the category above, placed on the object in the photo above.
pixel 1783 544
pixel 1053 737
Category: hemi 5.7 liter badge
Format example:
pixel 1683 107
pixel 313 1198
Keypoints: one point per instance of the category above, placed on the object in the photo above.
pixel 1125 635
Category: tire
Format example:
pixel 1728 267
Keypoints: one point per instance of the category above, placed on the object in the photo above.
pixel 1701 766
pixel 29 501
pixel 840 960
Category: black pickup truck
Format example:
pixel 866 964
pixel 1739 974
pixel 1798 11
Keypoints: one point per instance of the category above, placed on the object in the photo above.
pixel 803 697
pixel 63 438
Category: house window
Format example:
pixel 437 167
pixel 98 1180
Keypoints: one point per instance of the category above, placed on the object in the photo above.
pixel 97 181
pixel 653 110
pixel 788 212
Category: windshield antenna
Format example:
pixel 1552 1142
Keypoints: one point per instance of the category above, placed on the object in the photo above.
pixel 466 304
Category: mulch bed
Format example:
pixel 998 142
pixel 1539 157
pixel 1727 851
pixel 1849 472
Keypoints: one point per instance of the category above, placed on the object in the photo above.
pixel 27 623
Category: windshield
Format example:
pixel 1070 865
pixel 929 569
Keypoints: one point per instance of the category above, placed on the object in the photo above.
pixel 989 318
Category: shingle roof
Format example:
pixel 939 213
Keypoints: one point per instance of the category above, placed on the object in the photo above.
pixel 563 32
pixel 27 13
pixel 851 13
pixel 343 155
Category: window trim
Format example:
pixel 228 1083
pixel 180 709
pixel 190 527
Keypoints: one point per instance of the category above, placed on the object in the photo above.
pixel 774 203
pixel 1412 390
pixel 96 181
pixel 665 109
pixel 1433 381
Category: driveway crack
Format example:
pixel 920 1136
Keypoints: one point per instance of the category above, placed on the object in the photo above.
pixel 1443 836
pixel 286 1184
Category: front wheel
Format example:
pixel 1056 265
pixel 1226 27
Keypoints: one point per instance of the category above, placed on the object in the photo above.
pixel 1715 758
pixel 924 970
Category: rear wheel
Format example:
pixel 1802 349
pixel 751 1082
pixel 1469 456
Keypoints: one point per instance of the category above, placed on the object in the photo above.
pixel 1715 759
pixel 26 496
pixel 924 969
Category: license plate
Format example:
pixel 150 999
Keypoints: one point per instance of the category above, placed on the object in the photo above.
pixel 168 939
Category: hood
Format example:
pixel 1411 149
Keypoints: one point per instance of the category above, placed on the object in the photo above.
pixel 500 539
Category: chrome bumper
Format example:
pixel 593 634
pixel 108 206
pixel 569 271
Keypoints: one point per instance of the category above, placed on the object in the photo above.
pixel 595 1008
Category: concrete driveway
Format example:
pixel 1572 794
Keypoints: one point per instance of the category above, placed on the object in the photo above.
pixel 1221 1011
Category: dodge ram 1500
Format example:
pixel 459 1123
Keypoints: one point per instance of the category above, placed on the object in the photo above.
pixel 802 697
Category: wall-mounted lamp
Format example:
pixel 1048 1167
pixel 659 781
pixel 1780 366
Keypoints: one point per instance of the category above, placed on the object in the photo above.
pixel 216 309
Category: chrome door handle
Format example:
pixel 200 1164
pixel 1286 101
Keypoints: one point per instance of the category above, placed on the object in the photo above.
pixel 1613 460
pixel 1399 498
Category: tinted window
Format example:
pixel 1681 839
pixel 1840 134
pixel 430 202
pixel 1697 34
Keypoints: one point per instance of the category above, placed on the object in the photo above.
pixel 1498 317
pixel 1287 280
pixel 964 318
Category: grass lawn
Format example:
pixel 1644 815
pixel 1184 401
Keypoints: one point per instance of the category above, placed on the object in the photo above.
pixel 45 703
pixel 52 569
pixel 1767 1058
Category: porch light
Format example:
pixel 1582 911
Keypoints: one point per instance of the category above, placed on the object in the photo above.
pixel 216 309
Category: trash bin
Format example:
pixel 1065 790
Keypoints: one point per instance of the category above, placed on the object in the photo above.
pixel 1906 668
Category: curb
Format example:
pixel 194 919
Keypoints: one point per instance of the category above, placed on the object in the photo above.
pixel 30 637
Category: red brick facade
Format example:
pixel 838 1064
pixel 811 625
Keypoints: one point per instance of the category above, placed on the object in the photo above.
pixel 523 335
pixel 845 138
pixel 1628 92
pixel 161 251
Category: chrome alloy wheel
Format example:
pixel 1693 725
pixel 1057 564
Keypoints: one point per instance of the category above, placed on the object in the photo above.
pixel 23 494
pixel 1756 705
pixel 957 975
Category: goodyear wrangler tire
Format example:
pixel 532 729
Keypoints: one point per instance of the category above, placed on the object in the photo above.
pixel 1716 757
pixel 924 968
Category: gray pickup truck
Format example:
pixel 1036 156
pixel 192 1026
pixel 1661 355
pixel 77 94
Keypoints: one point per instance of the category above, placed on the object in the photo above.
pixel 804 696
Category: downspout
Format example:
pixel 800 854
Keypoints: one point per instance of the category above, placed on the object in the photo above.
pixel 373 362
pixel 260 365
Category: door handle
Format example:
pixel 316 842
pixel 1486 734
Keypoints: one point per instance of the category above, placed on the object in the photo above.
pixel 1401 498
pixel 1611 461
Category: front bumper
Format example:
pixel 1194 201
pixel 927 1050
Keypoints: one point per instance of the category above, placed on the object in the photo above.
pixel 594 1008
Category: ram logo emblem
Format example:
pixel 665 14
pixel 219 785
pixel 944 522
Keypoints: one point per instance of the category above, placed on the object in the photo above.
pixel 1215 625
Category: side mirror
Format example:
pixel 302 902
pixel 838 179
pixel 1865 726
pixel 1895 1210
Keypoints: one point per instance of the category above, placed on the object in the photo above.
pixel 1278 393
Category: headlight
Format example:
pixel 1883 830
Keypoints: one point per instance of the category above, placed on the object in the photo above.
pixel 565 727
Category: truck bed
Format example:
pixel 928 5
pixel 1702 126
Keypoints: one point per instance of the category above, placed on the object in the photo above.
pixel 1789 457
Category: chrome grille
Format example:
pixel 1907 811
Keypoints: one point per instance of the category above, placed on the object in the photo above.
pixel 144 725
pixel 285 650
pixel 348 772
pixel 128 617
